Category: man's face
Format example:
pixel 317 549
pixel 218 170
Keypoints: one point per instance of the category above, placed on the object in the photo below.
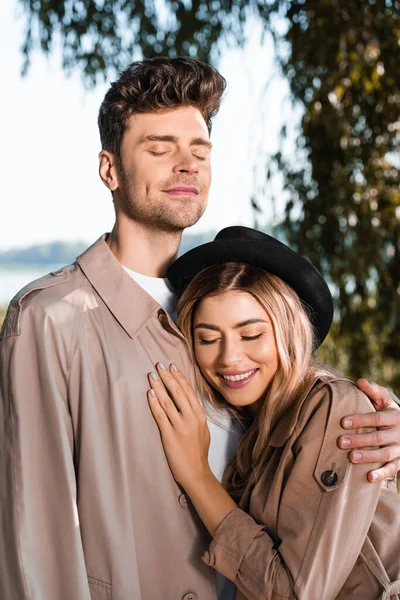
pixel 165 174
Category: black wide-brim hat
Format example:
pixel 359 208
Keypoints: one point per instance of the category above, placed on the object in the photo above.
pixel 249 246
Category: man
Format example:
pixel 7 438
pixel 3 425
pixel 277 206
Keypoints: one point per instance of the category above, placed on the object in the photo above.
pixel 89 508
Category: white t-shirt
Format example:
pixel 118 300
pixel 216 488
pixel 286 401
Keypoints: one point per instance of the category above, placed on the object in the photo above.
pixel 224 436
pixel 158 289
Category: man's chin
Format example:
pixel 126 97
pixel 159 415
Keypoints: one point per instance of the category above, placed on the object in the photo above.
pixel 177 225
pixel 182 219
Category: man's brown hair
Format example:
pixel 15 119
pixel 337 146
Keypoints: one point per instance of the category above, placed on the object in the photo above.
pixel 155 85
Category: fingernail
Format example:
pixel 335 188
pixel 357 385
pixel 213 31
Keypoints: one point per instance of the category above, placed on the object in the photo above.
pixel 345 442
pixel 152 393
pixel 357 456
pixel 374 476
pixel 162 366
pixel 174 367
pixel 154 376
pixel 348 423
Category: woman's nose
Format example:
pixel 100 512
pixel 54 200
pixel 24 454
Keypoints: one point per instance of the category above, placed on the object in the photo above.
pixel 231 353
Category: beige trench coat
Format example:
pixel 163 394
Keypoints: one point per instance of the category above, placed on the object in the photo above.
pixel 89 509
pixel 316 529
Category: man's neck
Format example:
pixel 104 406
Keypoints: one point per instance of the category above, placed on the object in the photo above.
pixel 145 251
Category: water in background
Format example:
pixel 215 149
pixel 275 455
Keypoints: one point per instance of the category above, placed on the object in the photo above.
pixel 13 279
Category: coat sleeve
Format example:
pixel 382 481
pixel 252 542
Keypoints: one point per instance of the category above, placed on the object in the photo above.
pixel 325 511
pixel 41 554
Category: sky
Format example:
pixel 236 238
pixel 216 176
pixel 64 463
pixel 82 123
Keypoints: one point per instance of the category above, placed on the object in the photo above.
pixel 50 142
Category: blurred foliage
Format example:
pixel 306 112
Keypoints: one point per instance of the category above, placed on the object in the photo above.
pixel 100 37
pixel 341 60
pixel 343 185
pixel 3 310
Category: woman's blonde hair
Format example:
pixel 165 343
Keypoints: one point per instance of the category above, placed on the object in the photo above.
pixel 297 368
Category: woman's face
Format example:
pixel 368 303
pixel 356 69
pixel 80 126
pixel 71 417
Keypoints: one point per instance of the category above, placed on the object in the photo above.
pixel 235 347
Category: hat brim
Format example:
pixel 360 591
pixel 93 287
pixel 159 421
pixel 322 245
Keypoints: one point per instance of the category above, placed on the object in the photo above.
pixel 270 255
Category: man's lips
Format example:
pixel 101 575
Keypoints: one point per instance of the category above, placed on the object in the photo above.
pixel 237 379
pixel 182 191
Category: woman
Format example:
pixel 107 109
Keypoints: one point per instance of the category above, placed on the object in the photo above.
pixel 293 518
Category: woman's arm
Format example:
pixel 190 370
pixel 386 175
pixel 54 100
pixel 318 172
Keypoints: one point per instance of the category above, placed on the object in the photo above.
pixel 326 508
pixel 322 525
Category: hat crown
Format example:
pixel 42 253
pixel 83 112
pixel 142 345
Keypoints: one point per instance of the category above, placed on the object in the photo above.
pixel 253 247
pixel 239 232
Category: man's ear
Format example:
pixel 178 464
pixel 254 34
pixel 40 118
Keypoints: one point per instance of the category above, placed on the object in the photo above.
pixel 108 170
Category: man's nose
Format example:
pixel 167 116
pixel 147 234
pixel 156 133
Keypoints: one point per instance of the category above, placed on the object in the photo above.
pixel 186 163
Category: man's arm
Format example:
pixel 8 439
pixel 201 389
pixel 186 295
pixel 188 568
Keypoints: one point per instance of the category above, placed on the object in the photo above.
pixel 387 434
pixel 41 553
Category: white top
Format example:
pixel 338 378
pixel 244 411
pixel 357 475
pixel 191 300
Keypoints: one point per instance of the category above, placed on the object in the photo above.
pixel 224 436
pixel 158 288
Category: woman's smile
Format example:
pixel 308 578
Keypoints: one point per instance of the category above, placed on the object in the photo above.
pixel 238 379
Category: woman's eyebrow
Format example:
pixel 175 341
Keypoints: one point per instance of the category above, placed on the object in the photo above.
pixel 249 322
pixel 206 326
pixel 241 324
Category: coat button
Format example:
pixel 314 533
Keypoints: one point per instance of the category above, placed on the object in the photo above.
pixel 329 478
pixel 189 596
pixel 183 501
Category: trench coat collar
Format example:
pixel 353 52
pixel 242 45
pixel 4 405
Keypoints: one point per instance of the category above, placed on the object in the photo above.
pixel 130 304
pixel 284 429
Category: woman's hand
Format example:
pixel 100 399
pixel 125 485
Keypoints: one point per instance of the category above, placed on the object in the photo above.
pixel 186 439
pixel 182 423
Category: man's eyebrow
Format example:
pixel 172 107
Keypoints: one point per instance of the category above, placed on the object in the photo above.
pixel 159 138
pixel 199 141
pixel 237 326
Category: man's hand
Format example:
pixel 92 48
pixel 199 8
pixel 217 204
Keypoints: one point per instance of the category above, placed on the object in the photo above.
pixel 387 435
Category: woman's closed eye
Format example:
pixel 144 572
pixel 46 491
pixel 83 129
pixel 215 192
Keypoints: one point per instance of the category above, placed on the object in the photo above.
pixel 203 341
pixel 249 338
pixel 244 338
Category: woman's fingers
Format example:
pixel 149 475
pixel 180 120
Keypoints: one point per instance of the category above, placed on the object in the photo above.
pixel 184 434
pixel 187 388
pixel 162 397
pixel 174 389
pixel 158 413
